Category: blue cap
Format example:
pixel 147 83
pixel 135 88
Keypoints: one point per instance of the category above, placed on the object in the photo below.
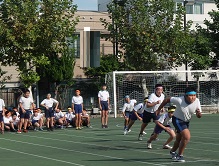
pixel 127 96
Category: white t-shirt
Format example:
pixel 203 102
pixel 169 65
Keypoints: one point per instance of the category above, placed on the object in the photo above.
pixel 154 98
pixel 77 100
pixel 103 95
pixel 165 119
pixel 49 102
pixel 139 108
pixel 7 119
pixel 59 115
pixel 16 121
pixel 69 116
pixel 184 111
pixel 38 117
pixel 129 106
pixel 26 102
pixel 2 104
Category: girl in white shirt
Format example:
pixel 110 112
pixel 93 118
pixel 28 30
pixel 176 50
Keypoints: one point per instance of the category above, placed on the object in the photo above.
pixel 77 107
pixel 2 111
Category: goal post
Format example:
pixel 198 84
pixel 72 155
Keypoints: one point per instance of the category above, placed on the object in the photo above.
pixel 140 84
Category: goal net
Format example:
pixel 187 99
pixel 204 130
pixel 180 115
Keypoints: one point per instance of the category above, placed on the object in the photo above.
pixel 140 84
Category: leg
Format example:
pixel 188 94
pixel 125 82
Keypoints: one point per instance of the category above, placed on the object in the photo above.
pixel 106 117
pixel 47 122
pixel 25 123
pixel 102 118
pixel 79 120
pixel 143 126
pixel 131 122
pixel 185 138
pixel 153 137
pixel 21 123
pixel 176 143
pixel 76 121
pixel 172 136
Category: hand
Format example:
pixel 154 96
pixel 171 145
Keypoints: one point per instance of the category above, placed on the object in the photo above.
pixel 100 108
pixel 139 118
pixel 157 112
pixel 125 117
pixel 23 110
pixel 158 102
pixel 198 114
pixel 47 107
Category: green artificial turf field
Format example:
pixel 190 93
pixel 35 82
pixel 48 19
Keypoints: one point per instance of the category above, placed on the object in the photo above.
pixel 108 147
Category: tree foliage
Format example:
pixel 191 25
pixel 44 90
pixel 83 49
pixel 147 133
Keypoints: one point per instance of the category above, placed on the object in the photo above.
pixel 151 34
pixel 33 31
pixel 108 63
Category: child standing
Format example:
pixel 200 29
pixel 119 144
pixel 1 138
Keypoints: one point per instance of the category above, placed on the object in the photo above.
pixel 77 107
pixel 163 123
pixel 2 113
pixel 26 105
pixel 103 100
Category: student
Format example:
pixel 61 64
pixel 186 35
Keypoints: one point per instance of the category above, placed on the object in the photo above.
pixel 186 106
pixel 49 111
pixel 26 105
pixel 127 110
pixel 2 113
pixel 37 120
pixel 85 118
pixel 163 123
pixel 59 118
pixel 137 113
pixel 16 121
pixel 153 103
pixel 8 122
pixel 69 118
pixel 103 100
pixel 77 107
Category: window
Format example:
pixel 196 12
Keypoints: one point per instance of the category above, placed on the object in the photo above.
pixel 76 45
pixel 196 8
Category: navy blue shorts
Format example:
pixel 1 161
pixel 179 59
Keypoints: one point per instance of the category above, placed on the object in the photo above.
pixel 49 113
pixel 34 121
pixel 78 108
pixel 1 117
pixel 25 115
pixel 104 105
pixel 128 114
pixel 179 124
pixel 147 116
pixel 159 129
pixel 134 117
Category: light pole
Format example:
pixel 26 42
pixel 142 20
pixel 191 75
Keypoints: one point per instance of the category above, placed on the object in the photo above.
pixel 184 24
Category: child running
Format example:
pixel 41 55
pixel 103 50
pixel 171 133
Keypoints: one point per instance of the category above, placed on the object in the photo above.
pixel 186 106
pixel 163 123
pixel 127 110
pixel 77 107
pixel 137 113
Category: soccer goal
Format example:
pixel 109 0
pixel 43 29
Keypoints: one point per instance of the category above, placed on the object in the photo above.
pixel 140 84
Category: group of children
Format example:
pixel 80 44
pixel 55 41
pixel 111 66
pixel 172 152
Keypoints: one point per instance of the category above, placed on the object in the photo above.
pixel 179 114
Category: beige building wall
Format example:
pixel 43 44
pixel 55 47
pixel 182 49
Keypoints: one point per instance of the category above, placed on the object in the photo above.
pixel 92 19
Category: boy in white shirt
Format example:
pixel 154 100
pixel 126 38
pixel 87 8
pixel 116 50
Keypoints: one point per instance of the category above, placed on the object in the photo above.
pixel 163 123
pixel 85 118
pixel 59 118
pixel 154 101
pixel 137 113
pixel 8 122
pixel 103 100
pixel 36 120
pixel 49 111
pixel 77 107
pixel 69 118
pixel 127 110
pixel 26 105
pixel 186 106
pixel 2 113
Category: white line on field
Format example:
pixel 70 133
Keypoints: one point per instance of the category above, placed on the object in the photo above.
pixel 47 158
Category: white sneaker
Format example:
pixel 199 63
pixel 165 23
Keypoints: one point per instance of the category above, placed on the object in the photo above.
pixel 167 146
pixel 140 137
pixel 144 133
pixel 125 132
pixel 149 146
pixel 129 130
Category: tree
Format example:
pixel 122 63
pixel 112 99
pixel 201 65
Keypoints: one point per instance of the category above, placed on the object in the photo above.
pixel 151 34
pixel 31 32
pixel 3 78
pixel 108 63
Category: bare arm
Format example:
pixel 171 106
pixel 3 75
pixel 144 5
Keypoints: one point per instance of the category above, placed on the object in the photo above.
pixel 99 103
pixel 152 104
pixel 139 118
pixel 57 104
pixel 73 108
pixel 165 101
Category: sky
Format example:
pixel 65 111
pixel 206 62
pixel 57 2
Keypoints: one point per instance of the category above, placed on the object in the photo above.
pixel 86 4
